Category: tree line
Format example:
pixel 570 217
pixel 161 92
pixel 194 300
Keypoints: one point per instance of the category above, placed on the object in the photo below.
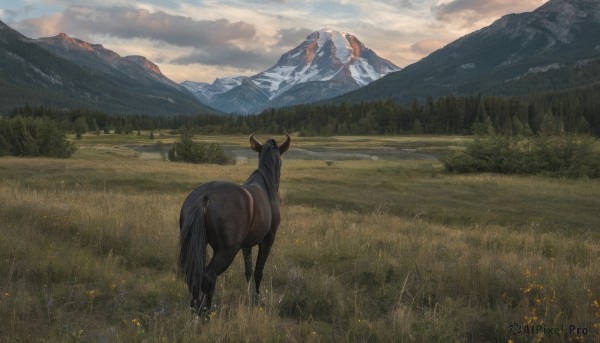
pixel 576 111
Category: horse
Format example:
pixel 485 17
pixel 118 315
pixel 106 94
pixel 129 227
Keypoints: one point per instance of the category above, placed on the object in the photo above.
pixel 230 217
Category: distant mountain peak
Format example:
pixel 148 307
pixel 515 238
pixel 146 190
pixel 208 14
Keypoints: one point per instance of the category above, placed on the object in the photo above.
pixel 327 63
pixel 144 63
pixel 65 42
pixel 347 46
pixel 136 69
pixel 560 18
pixel 572 8
pixel 70 42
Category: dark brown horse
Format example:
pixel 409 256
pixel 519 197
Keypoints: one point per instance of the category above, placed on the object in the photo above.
pixel 230 217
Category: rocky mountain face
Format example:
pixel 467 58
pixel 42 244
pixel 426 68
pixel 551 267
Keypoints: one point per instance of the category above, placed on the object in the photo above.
pixel 559 40
pixel 65 72
pixel 205 91
pixel 134 70
pixel 326 64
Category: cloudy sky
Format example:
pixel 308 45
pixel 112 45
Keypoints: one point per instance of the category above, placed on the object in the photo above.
pixel 200 40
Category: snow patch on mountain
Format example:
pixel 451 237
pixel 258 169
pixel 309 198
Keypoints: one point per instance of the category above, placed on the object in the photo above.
pixel 364 73
pixel 343 49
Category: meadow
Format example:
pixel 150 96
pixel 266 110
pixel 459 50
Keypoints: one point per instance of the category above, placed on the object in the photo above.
pixel 367 251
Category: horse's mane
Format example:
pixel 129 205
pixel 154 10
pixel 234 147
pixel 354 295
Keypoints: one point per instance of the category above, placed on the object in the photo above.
pixel 267 175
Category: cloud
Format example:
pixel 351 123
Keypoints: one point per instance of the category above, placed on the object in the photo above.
pixel 9 13
pixel 475 10
pixel 403 3
pixel 226 55
pixel 125 22
pixel 289 38
pixel 211 42
pixel 425 47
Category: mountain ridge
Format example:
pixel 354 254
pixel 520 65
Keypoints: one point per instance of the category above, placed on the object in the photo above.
pixel 133 69
pixel 31 74
pixel 495 59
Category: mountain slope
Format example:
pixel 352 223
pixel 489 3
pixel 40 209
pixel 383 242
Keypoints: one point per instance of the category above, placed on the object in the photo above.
pixel 501 58
pixel 327 63
pixel 30 74
pixel 130 70
pixel 205 91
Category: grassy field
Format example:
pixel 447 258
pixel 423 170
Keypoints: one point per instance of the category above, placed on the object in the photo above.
pixel 367 251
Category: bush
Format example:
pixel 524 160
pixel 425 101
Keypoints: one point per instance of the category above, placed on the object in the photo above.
pixel 33 137
pixel 559 156
pixel 191 152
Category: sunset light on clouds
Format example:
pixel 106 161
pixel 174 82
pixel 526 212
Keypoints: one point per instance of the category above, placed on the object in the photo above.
pixel 202 40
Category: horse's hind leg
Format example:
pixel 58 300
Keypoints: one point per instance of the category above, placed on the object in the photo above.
pixel 263 252
pixel 248 262
pixel 196 302
pixel 220 261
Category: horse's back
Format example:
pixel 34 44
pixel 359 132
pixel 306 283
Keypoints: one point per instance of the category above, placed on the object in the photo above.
pixel 212 190
pixel 228 211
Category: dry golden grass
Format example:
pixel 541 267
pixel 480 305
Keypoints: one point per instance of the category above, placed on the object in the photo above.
pixel 367 251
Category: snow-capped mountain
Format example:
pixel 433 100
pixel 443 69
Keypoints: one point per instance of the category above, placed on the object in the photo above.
pixel 205 91
pixel 328 63
pixel 321 57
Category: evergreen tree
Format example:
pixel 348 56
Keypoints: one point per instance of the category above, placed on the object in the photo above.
pixel 33 137
pixel 417 127
pixel 80 125
pixel 94 127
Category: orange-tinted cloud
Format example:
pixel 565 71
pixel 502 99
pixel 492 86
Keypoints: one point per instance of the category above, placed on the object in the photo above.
pixel 126 22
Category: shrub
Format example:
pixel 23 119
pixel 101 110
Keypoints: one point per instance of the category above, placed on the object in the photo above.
pixel 559 156
pixel 192 152
pixel 33 137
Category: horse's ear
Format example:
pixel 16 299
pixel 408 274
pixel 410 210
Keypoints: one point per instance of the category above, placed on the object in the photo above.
pixel 285 145
pixel 255 144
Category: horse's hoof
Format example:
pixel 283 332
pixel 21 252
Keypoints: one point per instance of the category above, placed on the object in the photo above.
pixel 256 299
pixel 207 314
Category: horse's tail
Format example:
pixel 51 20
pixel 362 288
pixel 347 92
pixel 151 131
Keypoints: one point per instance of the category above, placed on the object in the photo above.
pixel 192 245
